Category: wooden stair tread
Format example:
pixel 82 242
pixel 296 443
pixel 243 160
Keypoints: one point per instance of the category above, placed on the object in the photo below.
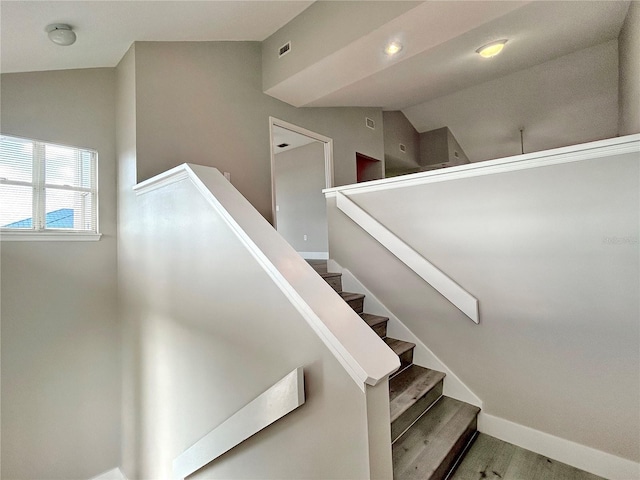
pixel 319 266
pixel 329 274
pixel 399 346
pixel 355 300
pixel 373 320
pixel 333 279
pixel 428 431
pixel 409 386
pixel 428 449
pixel 347 296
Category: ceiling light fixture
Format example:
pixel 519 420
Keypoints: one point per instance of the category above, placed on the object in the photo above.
pixel 491 49
pixel 393 48
pixel 61 34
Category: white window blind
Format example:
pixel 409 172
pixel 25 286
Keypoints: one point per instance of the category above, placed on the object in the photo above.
pixel 47 187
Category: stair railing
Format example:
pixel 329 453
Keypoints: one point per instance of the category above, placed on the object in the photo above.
pixel 273 404
pixel 427 271
pixel 453 292
pixel 367 360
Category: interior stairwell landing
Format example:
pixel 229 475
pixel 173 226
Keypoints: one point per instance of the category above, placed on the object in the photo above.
pixel 430 432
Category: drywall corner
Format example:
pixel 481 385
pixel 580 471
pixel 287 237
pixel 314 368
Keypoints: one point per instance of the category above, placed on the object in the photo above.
pixel 629 72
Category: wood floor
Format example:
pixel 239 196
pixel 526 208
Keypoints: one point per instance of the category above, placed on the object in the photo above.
pixel 493 459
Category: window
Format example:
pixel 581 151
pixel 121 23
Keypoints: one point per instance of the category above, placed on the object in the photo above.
pixel 47 190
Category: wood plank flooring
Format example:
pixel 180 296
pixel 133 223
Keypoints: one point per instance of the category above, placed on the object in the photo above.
pixel 428 449
pixel 493 459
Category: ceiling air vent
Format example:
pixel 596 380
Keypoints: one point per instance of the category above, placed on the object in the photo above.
pixel 286 48
pixel 403 148
pixel 370 123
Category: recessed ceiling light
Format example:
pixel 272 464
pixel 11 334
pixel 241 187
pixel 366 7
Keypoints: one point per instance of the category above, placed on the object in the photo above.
pixel 392 48
pixel 491 49
pixel 61 34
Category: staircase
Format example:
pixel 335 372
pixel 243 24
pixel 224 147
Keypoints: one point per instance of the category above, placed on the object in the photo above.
pixel 430 433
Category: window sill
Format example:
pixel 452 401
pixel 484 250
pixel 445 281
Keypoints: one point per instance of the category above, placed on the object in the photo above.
pixel 49 236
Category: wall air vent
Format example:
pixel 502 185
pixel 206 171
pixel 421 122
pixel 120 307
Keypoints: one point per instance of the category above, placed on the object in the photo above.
pixel 283 145
pixel 286 48
pixel 370 123
pixel 403 148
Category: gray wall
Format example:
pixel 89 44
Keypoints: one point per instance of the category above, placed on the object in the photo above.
pixel 302 209
pixel 552 256
pixel 440 146
pixel 434 146
pixel 455 148
pixel 397 130
pixel 202 102
pixel 629 83
pixel 213 332
pixel 127 225
pixel 566 101
pixel 60 340
pixel 184 370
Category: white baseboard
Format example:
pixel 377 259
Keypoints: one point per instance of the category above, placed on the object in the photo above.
pixel 314 255
pixel 113 474
pixel 423 356
pixel 565 451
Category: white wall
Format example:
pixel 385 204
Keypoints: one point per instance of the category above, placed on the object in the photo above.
pixel 60 334
pixel 202 102
pixel 570 100
pixel 552 256
pixel 302 209
pixel 629 81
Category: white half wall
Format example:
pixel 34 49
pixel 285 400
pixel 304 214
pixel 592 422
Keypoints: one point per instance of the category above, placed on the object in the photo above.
pixel 552 255
pixel 213 332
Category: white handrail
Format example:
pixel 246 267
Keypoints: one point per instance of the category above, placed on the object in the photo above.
pixel 601 149
pixel 416 262
pixel 358 349
pixel 446 286
pixel 273 404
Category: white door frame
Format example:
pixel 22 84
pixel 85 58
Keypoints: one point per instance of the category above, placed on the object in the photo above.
pixel 328 157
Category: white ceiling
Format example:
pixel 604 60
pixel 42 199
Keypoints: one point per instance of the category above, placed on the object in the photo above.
pixel 106 29
pixel 441 39
pixel 432 80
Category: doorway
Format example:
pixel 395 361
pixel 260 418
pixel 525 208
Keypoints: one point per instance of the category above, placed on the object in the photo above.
pixel 301 167
pixel 367 168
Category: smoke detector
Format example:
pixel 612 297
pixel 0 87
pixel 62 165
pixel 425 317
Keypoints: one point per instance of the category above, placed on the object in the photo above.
pixel 61 34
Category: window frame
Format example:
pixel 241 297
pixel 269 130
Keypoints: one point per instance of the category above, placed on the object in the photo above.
pixel 39 231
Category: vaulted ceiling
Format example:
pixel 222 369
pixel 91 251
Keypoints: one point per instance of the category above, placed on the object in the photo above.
pixel 106 29
pixel 439 39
